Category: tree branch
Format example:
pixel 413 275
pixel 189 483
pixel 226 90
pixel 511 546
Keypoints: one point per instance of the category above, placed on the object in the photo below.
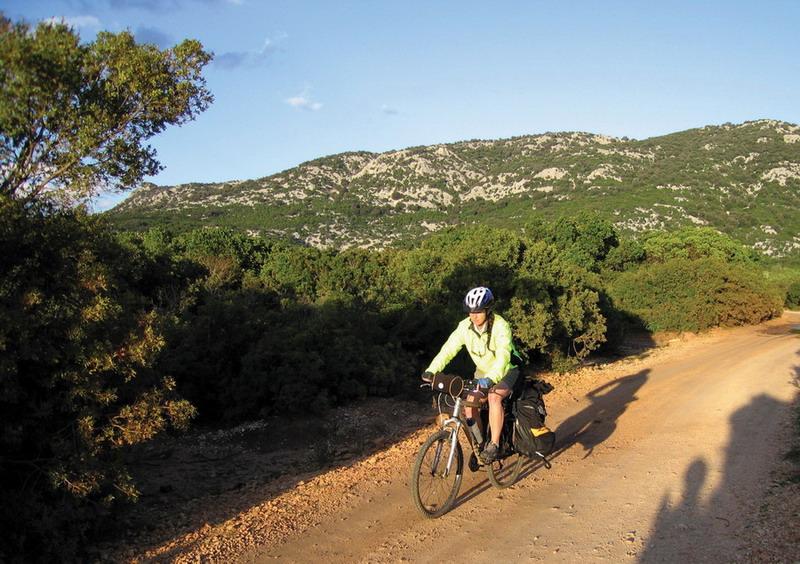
pixel 22 162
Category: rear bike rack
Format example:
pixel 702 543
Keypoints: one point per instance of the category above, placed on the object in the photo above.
pixel 544 460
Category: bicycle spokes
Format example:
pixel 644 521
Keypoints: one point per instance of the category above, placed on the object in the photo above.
pixel 433 486
pixel 437 458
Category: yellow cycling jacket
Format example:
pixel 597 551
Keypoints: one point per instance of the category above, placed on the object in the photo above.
pixel 492 360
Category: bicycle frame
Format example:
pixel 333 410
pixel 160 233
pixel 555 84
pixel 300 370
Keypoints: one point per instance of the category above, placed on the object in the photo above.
pixel 454 424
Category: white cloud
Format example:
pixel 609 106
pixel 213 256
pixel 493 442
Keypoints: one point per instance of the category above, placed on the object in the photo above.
pixel 76 22
pixel 389 110
pixel 235 59
pixel 304 102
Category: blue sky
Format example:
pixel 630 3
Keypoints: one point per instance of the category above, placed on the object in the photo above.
pixel 296 80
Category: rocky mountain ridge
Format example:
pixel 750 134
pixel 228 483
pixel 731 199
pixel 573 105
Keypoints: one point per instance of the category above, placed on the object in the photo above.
pixel 741 179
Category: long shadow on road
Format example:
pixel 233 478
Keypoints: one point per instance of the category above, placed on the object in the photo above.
pixel 694 528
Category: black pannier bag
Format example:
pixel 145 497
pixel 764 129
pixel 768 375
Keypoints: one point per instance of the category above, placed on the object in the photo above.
pixel 531 436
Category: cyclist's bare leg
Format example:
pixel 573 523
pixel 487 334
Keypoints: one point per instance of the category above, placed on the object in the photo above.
pixel 496 413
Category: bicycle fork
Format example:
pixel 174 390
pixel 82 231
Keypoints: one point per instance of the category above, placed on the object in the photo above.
pixel 453 424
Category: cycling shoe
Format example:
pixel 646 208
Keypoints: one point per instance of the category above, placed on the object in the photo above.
pixel 490 453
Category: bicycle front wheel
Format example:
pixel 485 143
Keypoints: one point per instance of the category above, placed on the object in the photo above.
pixel 434 487
pixel 503 473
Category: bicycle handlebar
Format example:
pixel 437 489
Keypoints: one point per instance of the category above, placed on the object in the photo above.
pixel 452 385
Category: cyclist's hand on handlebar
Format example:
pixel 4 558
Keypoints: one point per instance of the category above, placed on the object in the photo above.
pixel 485 383
pixel 427 377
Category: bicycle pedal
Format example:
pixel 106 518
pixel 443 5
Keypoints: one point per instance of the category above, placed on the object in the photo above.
pixel 473 463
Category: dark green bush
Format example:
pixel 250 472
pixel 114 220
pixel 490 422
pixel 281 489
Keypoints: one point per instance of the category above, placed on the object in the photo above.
pixel 793 295
pixel 350 321
pixel 554 309
pixel 321 327
pixel 293 272
pixel 585 239
pixel 691 295
pixel 550 301
pixel 248 253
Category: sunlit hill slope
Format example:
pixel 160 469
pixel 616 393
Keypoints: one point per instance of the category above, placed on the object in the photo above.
pixel 743 180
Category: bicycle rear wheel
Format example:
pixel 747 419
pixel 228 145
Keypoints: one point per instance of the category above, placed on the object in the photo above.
pixel 433 488
pixel 503 473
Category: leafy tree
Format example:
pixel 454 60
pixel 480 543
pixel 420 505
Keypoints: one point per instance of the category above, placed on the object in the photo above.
pixel 356 274
pixel 293 271
pixel 247 252
pixel 79 337
pixel 75 117
pixel 585 239
pixel 82 312
pixel 628 254
pixel 554 309
pixel 453 261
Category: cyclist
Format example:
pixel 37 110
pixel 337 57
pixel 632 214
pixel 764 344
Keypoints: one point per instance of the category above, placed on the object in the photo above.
pixel 487 337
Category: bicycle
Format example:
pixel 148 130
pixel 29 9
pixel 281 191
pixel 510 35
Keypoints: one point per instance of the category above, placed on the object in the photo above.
pixel 438 468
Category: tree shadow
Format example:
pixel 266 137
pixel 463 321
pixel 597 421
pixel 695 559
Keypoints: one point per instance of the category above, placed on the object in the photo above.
pixel 700 530
pixel 788 323
pixel 626 333
pixel 595 423
pixel 208 477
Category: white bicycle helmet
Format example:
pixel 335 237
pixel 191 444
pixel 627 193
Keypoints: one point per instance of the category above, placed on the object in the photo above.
pixel 478 299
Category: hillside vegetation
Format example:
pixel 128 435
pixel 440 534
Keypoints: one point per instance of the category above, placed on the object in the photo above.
pixel 743 180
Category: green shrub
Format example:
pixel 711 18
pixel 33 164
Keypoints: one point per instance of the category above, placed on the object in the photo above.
pixel 299 324
pixel 691 295
pixel 585 239
pixel 247 252
pixel 292 272
pixel 447 264
pixel 793 295
pixel 242 355
pixel 694 243
pixel 324 327
pixel 555 308
pixel 627 255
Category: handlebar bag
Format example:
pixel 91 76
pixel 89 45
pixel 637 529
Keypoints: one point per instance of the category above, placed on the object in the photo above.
pixel 448 384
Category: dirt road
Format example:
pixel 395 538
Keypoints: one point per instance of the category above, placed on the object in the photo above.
pixel 660 459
